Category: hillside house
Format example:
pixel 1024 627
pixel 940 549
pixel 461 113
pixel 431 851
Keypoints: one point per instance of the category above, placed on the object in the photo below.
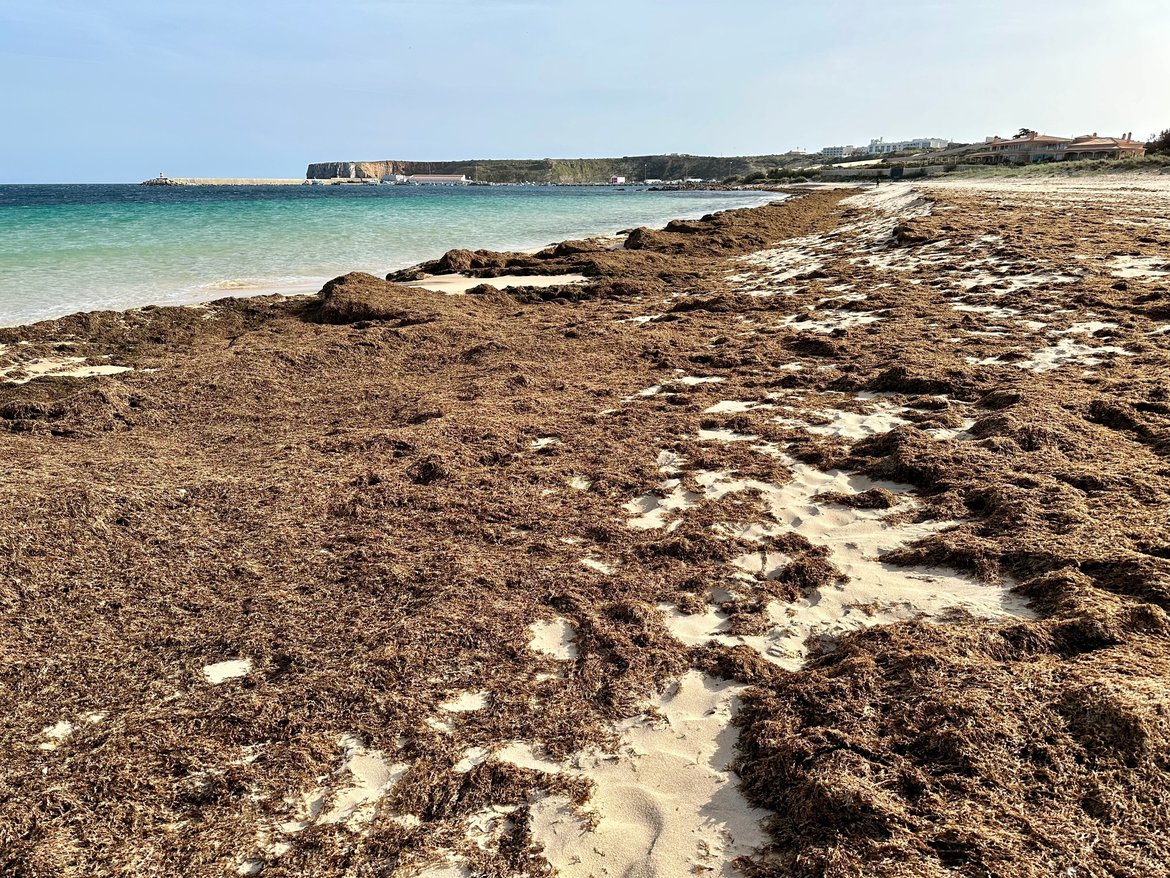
pixel 1030 146
pixel 1091 146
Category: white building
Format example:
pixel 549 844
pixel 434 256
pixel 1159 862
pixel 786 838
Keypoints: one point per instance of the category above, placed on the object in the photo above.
pixel 439 179
pixel 880 147
pixel 615 180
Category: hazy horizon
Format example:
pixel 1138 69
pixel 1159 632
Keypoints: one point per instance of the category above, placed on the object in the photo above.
pixel 119 93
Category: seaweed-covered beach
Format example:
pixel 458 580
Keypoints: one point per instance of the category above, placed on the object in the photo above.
pixel 824 538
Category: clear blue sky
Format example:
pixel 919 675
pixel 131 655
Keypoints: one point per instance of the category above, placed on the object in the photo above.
pixel 112 90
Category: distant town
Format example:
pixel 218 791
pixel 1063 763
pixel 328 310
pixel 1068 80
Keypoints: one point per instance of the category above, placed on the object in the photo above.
pixel 1025 147
pixel 918 156
pixel 881 147
pixel 915 157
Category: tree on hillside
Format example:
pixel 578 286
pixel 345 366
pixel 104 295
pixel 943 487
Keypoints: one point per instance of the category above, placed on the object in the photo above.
pixel 1024 132
pixel 1160 143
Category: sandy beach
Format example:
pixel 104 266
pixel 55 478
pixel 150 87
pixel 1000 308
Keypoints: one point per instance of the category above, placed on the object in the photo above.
pixel 824 538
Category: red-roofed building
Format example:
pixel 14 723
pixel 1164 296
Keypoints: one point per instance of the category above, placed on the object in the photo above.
pixel 1090 146
pixel 1024 148
pixel 1030 146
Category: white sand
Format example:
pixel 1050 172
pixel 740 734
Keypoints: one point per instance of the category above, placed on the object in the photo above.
pixel 763 563
pixel 439 725
pixel 874 593
pixel 734 406
pixel 346 798
pixel 642 318
pixel 686 380
pixel 828 320
pixel 1068 352
pixel 768 270
pixel 465 702
pixel 525 755
pixel 471 758
pixel 724 435
pixel 455 284
pixel 881 418
pixel 1089 327
pixel 1139 267
pixel 666 805
pixel 651 511
pixel 598 566
pixel 227 670
pixel 554 638
pixel 56 734
pixel 364 777
pixel 1065 352
pixel 55 367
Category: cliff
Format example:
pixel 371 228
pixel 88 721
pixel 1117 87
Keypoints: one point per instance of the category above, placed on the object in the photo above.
pixel 649 167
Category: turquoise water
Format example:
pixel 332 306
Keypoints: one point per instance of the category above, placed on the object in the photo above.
pixel 74 248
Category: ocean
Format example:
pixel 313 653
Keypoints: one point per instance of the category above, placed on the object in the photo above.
pixel 71 248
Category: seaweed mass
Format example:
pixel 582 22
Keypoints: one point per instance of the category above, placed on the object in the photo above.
pixel 824 538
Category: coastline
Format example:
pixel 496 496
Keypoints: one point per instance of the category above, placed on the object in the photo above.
pixel 817 534
pixel 136 285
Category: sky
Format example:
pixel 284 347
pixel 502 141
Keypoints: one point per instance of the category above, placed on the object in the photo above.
pixel 112 90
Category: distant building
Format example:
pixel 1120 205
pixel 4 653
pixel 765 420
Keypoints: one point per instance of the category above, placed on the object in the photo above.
pixel 439 179
pixel 616 180
pixel 1028 147
pixel 880 147
pixel 1090 146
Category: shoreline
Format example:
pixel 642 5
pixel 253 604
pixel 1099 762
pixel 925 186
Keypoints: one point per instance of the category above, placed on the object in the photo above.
pixel 213 290
pixel 807 534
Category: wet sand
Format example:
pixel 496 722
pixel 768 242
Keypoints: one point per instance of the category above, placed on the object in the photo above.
pixel 823 538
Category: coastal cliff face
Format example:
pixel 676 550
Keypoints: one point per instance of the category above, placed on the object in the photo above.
pixel 494 171
pixel 652 167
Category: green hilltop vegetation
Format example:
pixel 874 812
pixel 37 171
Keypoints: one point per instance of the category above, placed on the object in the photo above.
pixel 675 166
